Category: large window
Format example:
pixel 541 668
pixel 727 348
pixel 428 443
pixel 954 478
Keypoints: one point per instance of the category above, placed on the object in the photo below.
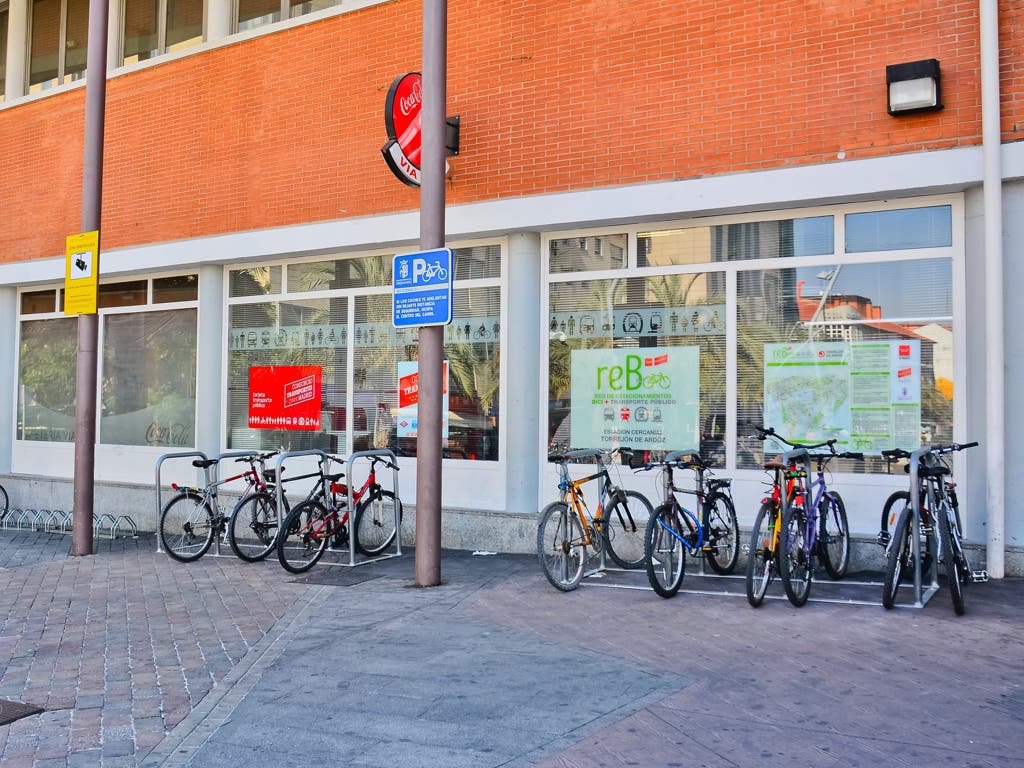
pixel 58 42
pixel 853 339
pixel 147 364
pixel 153 27
pixel 334 315
pixel 3 51
pixel 256 13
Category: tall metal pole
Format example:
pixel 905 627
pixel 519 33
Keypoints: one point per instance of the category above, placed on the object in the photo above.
pixel 88 324
pixel 431 343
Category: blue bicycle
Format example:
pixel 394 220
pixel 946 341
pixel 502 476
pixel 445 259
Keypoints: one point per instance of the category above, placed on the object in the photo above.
pixel 675 530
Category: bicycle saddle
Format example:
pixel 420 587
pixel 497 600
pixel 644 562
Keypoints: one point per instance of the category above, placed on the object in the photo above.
pixel 204 463
pixel 774 464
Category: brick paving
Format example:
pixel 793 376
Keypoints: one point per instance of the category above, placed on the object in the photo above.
pixel 142 661
pixel 119 647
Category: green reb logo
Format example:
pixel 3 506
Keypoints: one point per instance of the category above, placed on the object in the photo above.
pixel 630 377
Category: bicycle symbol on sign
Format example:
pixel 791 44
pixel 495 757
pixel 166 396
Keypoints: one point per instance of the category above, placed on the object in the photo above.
pixel 657 380
pixel 435 270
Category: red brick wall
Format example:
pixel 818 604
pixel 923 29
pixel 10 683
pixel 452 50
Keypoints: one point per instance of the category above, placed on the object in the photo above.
pixel 287 128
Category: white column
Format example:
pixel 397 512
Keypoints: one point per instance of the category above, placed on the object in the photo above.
pixel 16 81
pixel 210 360
pixel 8 383
pixel 115 36
pixel 219 19
pixel 521 418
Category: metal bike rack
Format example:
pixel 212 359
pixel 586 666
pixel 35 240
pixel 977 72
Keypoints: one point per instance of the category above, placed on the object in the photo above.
pixel 159 505
pixel 350 462
pixel 352 510
pixel 921 597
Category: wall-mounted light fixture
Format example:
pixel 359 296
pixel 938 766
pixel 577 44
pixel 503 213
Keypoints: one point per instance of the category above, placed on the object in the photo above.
pixel 914 87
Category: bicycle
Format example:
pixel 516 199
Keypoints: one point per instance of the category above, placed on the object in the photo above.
pixel 764 554
pixel 192 518
pixel 566 537
pixel 815 531
pixel 4 502
pixel 311 525
pixel 676 531
pixel 939 533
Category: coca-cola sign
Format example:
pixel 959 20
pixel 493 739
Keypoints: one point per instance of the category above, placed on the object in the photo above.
pixel 402 112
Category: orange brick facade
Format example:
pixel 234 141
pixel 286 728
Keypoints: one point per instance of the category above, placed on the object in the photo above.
pixel 286 128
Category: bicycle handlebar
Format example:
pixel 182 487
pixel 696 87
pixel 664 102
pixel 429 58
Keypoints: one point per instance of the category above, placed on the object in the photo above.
pixel 765 432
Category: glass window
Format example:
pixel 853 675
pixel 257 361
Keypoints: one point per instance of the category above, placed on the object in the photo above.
pixel 811 236
pixel 311 332
pixel 256 13
pixel 638 363
pixel 254 281
pixel 145 37
pixel 148 394
pixel 899 229
pixel 362 272
pixel 477 262
pixel 38 302
pixel 46 380
pixel 587 254
pixel 58 42
pixel 178 288
pixel 859 352
pixel 128 294
pixel 298 8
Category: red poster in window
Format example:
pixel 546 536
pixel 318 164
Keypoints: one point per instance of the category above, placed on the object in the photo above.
pixel 285 397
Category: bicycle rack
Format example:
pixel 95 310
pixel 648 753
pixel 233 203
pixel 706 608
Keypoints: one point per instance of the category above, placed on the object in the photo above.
pixel 159 505
pixel 350 464
pixel 674 456
pixel 920 596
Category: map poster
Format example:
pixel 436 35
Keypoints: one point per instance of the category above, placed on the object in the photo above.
pixel 867 395
pixel 636 398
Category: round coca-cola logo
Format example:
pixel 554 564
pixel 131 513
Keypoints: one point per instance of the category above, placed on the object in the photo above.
pixel 402 119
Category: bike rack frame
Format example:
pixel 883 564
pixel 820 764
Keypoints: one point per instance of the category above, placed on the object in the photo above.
pixel 159 503
pixel 349 463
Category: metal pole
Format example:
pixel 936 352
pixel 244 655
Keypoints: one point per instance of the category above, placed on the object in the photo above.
pixel 431 341
pixel 88 325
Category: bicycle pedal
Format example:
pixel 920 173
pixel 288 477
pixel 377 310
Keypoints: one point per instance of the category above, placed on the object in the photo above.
pixel 979 576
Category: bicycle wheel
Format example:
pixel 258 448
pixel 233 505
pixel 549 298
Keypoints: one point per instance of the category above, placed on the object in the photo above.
pixel 186 526
pixel 560 546
pixel 5 503
pixel 304 536
pixel 762 559
pixel 664 554
pixel 252 527
pixel 375 521
pixel 722 534
pixel 833 535
pixel 795 558
pixel 622 529
pixel 894 506
pixel 900 557
pixel 952 557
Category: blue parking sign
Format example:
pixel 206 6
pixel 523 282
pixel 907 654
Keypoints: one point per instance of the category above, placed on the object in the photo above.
pixel 422 288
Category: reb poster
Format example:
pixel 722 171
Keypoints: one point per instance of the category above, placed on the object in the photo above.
pixel 636 398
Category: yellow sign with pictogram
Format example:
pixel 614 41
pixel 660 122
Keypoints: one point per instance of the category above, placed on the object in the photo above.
pixel 81 275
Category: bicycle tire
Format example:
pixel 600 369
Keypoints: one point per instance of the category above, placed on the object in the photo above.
pixel 252 526
pixel 833 535
pixel 900 557
pixel 304 536
pixel 375 521
pixel 186 526
pixel 762 560
pixel 894 505
pixel 560 547
pixel 622 529
pixel 722 534
pixel 5 502
pixel 951 556
pixel 796 560
pixel 664 554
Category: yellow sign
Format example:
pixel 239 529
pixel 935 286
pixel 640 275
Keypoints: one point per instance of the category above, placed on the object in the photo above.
pixel 81 274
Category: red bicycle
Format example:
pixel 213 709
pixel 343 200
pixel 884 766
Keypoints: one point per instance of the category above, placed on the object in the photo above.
pixel 314 523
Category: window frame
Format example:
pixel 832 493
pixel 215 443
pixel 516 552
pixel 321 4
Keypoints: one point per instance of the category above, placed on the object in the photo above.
pixel 46 85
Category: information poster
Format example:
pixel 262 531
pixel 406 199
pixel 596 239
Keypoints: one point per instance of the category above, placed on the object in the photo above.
pixel 409 398
pixel 865 394
pixel 645 399
pixel 285 397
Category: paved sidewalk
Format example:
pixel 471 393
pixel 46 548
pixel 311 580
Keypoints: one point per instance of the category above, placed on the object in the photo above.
pixel 142 661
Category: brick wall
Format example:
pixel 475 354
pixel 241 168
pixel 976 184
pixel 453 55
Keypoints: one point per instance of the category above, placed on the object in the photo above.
pixel 287 128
